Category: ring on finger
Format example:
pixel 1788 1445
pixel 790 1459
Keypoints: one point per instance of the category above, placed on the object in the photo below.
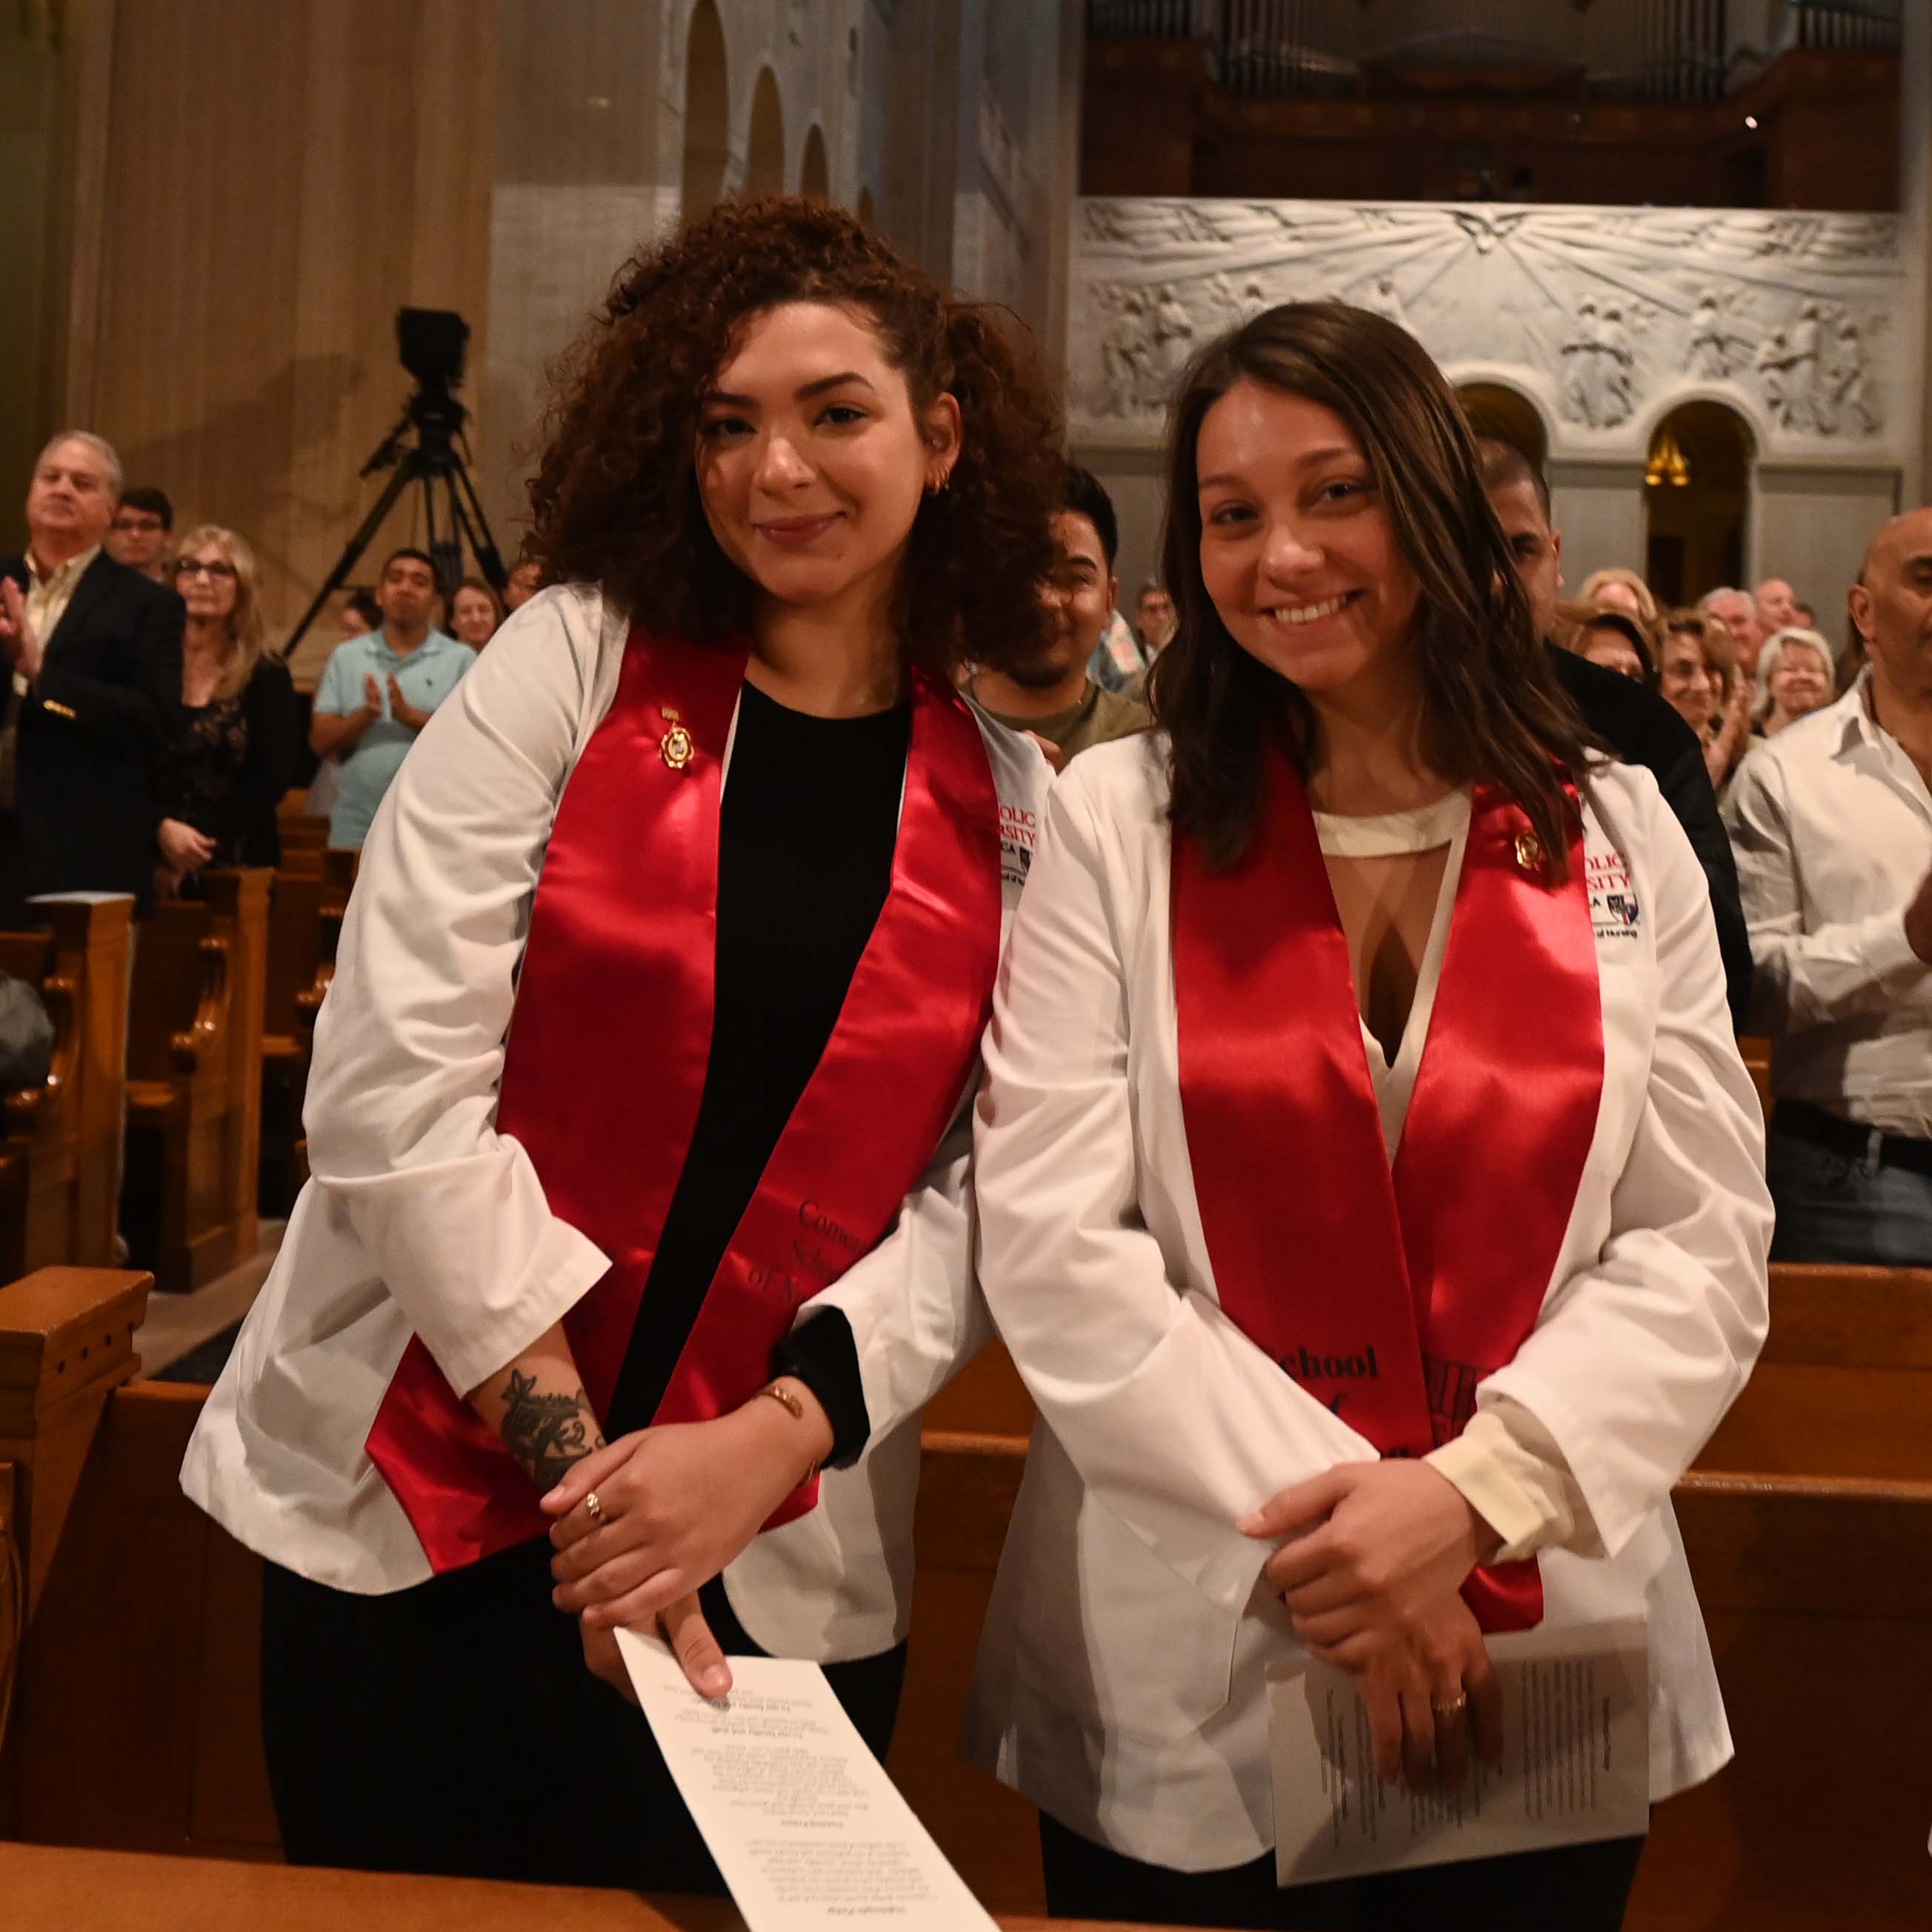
pixel 593 1506
pixel 1449 1710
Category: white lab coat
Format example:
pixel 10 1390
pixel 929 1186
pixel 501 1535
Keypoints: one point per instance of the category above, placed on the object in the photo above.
pixel 422 1218
pixel 1120 1681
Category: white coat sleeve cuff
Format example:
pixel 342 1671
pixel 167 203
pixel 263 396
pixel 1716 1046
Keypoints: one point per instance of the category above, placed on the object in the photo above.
pixel 471 1345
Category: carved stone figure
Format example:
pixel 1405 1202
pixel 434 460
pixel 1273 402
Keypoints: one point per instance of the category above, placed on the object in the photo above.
pixel 1124 358
pixel 1583 392
pixel 1605 311
pixel 1615 366
pixel 1173 340
pixel 1709 355
pixel 1846 384
pixel 1802 378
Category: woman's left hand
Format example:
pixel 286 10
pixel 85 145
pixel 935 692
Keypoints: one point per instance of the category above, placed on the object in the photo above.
pixel 675 1505
pixel 1375 1545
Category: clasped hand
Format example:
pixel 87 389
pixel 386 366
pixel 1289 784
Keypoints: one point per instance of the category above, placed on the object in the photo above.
pixel 1377 1552
pixel 675 1504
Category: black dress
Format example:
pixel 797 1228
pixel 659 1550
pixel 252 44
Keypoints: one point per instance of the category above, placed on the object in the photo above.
pixel 229 765
pixel 453 1726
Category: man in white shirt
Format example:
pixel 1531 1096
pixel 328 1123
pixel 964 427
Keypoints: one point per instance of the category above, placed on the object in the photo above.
pixel 1832 824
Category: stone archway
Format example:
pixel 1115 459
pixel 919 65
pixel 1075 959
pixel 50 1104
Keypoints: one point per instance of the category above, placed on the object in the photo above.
pixel 707 112
pixel 814 175
pixel 764 144
pixel 1697 492
pixel 1494 410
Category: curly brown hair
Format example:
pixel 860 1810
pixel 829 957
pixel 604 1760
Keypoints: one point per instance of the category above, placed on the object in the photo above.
pixel 616 499
pixel 1494 709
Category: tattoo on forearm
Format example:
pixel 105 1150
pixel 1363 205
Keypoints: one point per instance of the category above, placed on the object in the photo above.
pixel 545 1432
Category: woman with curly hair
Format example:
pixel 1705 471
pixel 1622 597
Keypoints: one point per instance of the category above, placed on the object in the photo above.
pixel 1405 1230
pixel 636 1118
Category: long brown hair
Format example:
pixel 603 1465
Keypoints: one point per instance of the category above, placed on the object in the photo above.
pixel 615 498
pixel 1492 709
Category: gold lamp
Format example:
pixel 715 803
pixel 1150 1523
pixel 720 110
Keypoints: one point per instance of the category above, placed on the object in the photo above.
pixel 1667 464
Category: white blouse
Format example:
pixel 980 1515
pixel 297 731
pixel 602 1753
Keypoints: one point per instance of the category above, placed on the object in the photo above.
pixel 1505 1464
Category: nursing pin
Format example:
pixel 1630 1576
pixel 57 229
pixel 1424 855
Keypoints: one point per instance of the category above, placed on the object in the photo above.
pixel 1529 851
pixel 676 747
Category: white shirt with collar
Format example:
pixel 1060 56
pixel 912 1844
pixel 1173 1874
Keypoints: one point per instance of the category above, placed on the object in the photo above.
pixel 422 1218
pixel 1831 824
pixel 1122 1671
pixel 50 592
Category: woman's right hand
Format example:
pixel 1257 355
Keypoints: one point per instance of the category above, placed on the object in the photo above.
pixel 1411 1687
pixel 684 1628
pixel 185 849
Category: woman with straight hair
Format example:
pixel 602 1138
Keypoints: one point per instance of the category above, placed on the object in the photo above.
pixel 218 783
pixel 1369 1190
pixel 637 1116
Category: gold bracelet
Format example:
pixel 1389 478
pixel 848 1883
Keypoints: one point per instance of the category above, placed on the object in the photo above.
pixel 793 1406
pixel 795 1409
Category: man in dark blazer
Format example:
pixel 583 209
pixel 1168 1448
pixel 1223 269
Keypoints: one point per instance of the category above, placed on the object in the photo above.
pixel 1634 723
pixel 94 653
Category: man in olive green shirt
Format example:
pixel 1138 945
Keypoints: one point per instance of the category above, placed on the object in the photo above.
pixel 1049 694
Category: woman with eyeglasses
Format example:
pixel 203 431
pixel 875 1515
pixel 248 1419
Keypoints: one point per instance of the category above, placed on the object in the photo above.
pixel 218 783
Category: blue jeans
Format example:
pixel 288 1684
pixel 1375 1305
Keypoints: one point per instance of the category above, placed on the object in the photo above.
pixel 1831 1208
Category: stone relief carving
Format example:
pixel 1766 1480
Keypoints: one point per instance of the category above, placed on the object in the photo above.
pixel 1607 314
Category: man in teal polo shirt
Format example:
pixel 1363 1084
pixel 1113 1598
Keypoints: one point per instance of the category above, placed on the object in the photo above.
pixel 380 690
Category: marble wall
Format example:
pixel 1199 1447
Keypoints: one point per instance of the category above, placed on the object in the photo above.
pixel 1603 320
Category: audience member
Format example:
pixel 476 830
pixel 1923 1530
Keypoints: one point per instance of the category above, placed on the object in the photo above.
pixel 1118 663
pixel 1696 675
pixel 217 785
pixel 360 612
pixel 1153 618
pixel 475 613
pixel 1808 618
pixel 1739 610
pixel 523 584
pixel 1050 692
pixel 1624 589
pixel 1832 821
pixel 1616 638
pixel 380 690
pixel 144 520
pixel 1795 676
pixel 95 649
pixel 1633 722
pixel 1776 605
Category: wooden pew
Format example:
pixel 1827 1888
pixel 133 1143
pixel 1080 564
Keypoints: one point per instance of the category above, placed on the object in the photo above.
pixel 194 1081
pixel 60 1141
pixel 304 838
pixel 305 914
pixel 1844 1386
pixel 104 1891
pixel 137 1724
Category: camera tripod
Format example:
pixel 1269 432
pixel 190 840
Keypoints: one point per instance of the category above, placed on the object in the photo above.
pixel 433 459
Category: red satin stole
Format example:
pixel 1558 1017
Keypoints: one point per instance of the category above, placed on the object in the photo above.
pixel 605 1066
pixel 1388 1296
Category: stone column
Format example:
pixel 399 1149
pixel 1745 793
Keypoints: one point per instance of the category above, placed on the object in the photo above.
pixel 578 184
pixel 1912 350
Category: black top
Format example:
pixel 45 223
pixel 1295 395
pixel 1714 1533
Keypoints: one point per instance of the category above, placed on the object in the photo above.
pixel 806 830
pixel 229 764
pixel 1643 730
pixel 107 698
